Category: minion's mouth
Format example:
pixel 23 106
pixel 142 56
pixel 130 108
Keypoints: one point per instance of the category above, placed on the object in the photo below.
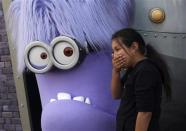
pixel 68 96
pixel 74 115
pixel 64 97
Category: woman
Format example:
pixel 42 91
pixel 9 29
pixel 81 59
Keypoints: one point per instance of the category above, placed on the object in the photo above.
pixel 140 89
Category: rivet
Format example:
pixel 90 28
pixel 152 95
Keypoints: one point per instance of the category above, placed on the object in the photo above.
pixel 145 34
pixel 157 15
pixel 155 35
pixel 184 37
pixel 175 37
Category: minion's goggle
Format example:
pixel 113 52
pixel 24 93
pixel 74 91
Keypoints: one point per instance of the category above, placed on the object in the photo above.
pixel 64 53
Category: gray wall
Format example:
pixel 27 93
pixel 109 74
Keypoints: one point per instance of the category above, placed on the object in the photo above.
pixel 9 112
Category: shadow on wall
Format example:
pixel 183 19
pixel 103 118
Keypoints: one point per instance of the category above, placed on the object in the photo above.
pixel 173 117
pixel 33 98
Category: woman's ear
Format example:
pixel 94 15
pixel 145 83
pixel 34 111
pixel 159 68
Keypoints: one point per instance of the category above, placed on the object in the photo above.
pixel 135 46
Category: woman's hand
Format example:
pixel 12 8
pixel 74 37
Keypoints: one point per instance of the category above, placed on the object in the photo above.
pixel 117 62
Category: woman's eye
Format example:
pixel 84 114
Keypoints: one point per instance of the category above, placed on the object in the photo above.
pixel 65 52
pixel 37 57
pixel 117 49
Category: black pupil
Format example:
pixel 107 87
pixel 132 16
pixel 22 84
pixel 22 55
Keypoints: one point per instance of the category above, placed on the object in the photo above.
pixel 43 55
pixel 68 51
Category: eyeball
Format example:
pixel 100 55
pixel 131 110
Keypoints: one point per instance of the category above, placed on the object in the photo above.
pixel 65 52
pixel 37 57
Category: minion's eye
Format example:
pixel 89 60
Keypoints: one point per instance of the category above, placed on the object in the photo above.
pixel 37 57
pixel 65 52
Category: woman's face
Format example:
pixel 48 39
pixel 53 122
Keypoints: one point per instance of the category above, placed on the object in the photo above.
pixel 120 50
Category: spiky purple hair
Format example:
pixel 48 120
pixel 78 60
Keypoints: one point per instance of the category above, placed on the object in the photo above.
pixel 93 21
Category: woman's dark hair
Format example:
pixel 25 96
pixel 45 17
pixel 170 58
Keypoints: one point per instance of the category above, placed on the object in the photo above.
pixel 127 36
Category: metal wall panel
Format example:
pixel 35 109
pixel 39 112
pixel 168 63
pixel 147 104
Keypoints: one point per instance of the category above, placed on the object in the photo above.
pixel 175 13
pixel 169 39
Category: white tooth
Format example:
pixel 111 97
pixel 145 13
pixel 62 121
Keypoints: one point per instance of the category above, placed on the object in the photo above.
pixel 52 100
pixel 63 96
pixel 79 98
pixel 87 101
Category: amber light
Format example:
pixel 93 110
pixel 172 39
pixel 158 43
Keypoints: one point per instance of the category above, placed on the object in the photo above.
pixel 157 15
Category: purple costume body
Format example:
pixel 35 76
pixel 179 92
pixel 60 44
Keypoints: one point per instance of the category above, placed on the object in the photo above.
pixel 88 21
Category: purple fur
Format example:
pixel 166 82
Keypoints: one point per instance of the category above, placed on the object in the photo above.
pixel 43 20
